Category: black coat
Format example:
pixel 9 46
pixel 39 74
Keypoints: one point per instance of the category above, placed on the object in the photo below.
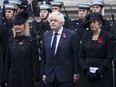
pixel 22 62
pixel 98 53
pixel 7 24
pixel 3 46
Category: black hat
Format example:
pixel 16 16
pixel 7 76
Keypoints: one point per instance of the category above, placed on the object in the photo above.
pixel 20 18
pixel 95 16
pixel 46 7
pixel 84 6
pixel 56 3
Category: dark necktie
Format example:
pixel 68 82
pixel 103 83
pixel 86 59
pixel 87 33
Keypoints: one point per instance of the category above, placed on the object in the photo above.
pixel 54 43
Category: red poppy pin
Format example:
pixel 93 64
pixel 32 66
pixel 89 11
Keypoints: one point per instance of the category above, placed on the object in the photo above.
pixel 100 40
pixel 64 35
pixel 21 43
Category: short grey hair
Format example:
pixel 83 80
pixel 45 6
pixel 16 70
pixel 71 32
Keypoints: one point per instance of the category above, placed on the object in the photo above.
pixel 58 16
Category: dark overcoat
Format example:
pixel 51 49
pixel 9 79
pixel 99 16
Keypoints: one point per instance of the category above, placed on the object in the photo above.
pixel 21 62
pixel 97 53
pixel 3 46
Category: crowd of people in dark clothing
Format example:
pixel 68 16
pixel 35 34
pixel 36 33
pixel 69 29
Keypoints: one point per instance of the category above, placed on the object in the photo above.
pixel 56 51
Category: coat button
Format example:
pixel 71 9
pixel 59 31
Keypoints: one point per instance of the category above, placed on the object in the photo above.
pixel 75 29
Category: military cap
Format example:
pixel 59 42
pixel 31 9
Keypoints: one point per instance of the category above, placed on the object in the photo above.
pixel 16 2
pixel 84 6
pixel 98 2
pixel 46 7
pixel 56 3
pixel 10 6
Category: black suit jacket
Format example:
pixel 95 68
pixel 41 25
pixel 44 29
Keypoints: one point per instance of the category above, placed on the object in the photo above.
pixel 65 63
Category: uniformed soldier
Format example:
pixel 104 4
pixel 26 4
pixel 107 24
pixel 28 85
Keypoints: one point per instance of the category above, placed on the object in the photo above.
pixel 43 25
pixel 38 28
pixel 79 25
pixel 22 5
pixel 97 6
pixel 10 13
pixel 57 6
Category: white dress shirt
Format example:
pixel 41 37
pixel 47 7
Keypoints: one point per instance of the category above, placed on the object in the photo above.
pixel 58 38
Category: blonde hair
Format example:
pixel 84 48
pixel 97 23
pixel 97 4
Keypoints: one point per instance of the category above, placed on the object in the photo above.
pixel 26 30
pixel 58 16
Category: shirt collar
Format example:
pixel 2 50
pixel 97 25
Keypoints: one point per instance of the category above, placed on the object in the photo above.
pixel 59 32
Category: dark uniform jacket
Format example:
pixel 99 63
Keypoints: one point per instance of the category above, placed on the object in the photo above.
pixel 21 62
pixel 80 28
pixel 113 31
pixel 7 24
pixel 3 46
pixel 65 63
pixel 68 24
pixel 106 25
pixel 97 53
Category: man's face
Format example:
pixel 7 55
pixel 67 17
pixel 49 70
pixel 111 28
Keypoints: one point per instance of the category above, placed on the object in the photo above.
pixel 55 8
pixel 43 14
pixel 9 14
pixel 83 13
pixel 96 8
pixel 55 24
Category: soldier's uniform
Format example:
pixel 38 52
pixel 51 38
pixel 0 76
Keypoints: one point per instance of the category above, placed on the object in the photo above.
pixel 106 24
pixel 79 25
pixel 68 23
pixel 38 28
pixel 7 23
pixel 113 31
pixel 22 6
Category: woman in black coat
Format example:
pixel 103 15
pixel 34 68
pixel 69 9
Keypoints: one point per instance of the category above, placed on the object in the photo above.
pixel 96 55
pixel 21 64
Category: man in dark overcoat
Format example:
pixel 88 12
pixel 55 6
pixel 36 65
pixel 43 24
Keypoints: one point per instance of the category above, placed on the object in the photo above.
pixel 60 54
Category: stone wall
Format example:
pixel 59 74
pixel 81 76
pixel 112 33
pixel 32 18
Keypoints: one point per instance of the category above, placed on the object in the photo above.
pixel 75 2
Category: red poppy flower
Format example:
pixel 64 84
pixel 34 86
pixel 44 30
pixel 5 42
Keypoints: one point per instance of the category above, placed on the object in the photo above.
pixel 100 40
pixel 64 35
pixel 21 43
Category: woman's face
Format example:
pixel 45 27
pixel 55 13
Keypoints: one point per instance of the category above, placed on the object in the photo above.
pixel 19 28
pixel 95 25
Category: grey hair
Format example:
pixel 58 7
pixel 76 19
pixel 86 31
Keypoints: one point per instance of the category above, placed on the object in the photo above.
pixel 58 16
